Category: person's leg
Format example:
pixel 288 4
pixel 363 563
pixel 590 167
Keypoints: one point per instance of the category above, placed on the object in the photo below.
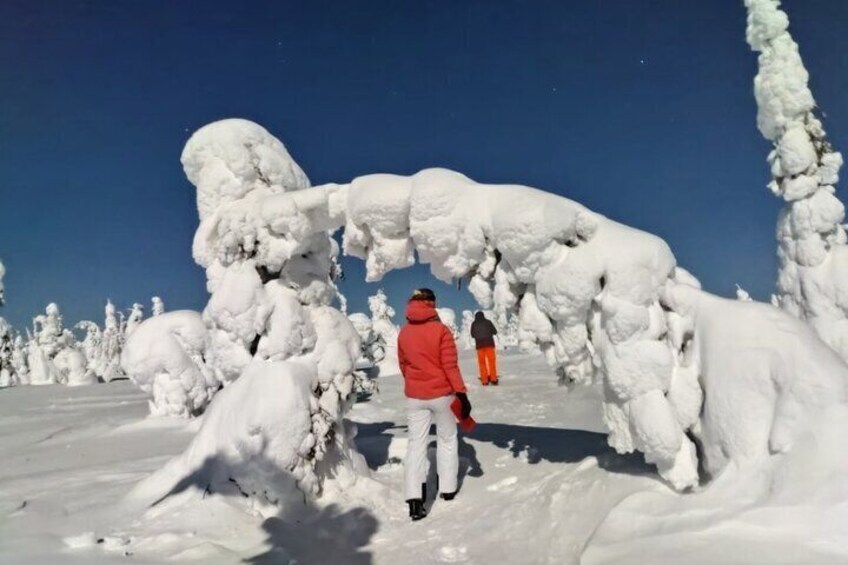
pixel 492 362
pixel 415 465
pixel 481 365
pixel 447 451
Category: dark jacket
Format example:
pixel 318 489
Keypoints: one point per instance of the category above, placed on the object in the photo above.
pixel 483 331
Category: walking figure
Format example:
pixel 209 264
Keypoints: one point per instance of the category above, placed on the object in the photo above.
pixel 483 331
pixel 428 362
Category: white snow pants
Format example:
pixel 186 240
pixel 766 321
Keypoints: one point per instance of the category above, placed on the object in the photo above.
pixel 419 415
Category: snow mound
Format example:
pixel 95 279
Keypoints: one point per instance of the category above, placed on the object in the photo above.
pixel 257 434
pixel 766 377
pixel 164 356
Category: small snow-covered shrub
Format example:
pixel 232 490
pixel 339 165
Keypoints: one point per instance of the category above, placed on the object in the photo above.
pixel 164 356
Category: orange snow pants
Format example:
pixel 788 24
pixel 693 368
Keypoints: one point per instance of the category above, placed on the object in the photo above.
pixel 487 362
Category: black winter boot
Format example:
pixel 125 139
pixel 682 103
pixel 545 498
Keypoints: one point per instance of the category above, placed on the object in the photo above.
pixel 448 495
pixel 416 510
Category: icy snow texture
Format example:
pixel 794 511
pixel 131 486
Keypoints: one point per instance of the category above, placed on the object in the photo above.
pixel 812 253
pixel 164 357
pixel 2 288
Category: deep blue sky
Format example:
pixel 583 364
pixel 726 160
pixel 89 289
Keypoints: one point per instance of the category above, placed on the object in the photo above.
pixel 640 109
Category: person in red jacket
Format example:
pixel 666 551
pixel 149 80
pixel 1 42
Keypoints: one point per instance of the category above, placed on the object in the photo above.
pixel 428 362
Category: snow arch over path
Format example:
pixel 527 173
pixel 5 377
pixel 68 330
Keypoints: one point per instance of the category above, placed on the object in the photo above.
pixel 603 301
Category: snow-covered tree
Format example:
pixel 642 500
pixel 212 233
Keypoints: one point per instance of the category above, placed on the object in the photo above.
pixel 812 282
pixel 372 346
pixel 269 304
pixel 465 339
pixel 164 356
pixel 108 365
pixel 7 371
pixel 53 355
pixel 19 361
pixel 158 306
pixel 47 340
pixel 448 318
pixel 134 319
pixel 7 375
pixel 91 345
pixel 742 294
pixel 386 331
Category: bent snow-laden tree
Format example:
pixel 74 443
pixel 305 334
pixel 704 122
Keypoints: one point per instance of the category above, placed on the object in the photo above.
pixel 603 302
pixel 813 279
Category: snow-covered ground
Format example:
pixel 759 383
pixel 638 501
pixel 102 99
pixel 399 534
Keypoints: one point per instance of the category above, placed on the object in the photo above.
pixel 539 484
pixel 537 478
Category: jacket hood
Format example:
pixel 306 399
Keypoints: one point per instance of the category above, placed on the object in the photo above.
pixel 419 311
pixel 479 316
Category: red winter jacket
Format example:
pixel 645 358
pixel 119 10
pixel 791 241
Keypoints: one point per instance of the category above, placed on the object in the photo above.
pixel 427 354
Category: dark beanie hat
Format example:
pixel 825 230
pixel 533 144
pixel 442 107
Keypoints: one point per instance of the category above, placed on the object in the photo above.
pixel 423 294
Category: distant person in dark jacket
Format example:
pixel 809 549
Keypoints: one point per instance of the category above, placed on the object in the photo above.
pixel 483 331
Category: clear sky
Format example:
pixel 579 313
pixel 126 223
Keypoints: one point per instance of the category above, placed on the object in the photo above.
pixel 640 109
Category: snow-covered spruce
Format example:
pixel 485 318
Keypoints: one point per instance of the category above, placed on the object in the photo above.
pixel 448 318
pixel 164 356
pixel 269 306
pixel 134 319
pixel 53 355
pixel 465 339
pixel 382 322
pixel 108 361
pixel 158 306
pixel 812 251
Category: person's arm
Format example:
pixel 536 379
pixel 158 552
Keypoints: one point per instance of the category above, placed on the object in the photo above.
pixel 448 360
pixel 494 329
